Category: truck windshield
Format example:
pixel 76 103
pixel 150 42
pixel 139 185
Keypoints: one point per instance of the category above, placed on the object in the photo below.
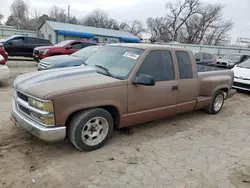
pixel 86 52
pixel 115 61
pixel 245 64
pixel 232 57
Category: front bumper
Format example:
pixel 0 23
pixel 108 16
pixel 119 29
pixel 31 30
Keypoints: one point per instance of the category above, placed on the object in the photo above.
pixel 241 84
pixel 47 134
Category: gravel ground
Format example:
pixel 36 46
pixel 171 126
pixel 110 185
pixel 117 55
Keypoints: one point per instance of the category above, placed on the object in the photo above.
pixel 193 150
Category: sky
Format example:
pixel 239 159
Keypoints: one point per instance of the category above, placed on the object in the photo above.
pixel 125 10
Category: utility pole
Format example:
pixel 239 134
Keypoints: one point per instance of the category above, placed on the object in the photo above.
pixel 68 12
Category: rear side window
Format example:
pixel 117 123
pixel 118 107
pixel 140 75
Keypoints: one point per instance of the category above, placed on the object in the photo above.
pixel 86 44
pixel 159 65
pixel 31 40
pixel 185 66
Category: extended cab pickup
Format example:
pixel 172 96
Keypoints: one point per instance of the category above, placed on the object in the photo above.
pixel 121 85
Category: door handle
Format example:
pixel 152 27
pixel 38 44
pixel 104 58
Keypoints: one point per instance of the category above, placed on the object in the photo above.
pixel 174 88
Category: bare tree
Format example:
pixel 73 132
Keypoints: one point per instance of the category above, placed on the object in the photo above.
pixel 1 18
pixel 135 27
pixel 99 18
pixel 58 14
pixel 190 21
pixel 19 13
pixel 180 12
pixel 159 28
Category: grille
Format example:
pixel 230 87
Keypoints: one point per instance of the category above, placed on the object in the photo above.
pixel 22 96
pixel 237 84
pixel 44 64
pixel 223 63
pixel 23 109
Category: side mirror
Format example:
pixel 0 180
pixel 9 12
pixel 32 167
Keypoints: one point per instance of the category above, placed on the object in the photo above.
pixel 143 79
pixel 10 42
pixel 68 47
pixel 198 59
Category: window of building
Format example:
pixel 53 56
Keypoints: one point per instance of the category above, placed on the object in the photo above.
pixel 159 65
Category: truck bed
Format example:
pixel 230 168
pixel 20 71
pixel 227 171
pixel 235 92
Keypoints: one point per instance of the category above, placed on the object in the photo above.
pixel 206 68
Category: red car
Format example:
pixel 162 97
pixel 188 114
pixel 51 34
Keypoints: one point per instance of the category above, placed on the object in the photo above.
pixel 66 47
pixel 4 54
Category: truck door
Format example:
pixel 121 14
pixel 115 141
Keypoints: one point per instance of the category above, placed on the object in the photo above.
pixel 207 59
pixel 147 103
pixel 15 46
pixel 188 83
pixel 73 47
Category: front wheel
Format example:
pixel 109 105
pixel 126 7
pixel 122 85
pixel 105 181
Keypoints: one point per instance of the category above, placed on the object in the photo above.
pixel 217 103
pixel 90 129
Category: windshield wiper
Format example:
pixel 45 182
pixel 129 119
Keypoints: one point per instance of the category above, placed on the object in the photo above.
pixel 104 68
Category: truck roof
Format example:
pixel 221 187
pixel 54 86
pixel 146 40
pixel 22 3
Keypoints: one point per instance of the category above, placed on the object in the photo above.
pixel 146 46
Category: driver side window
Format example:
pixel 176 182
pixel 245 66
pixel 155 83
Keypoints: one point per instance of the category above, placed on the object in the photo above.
pixel 159 65
pixel 18 40
pixel 76 45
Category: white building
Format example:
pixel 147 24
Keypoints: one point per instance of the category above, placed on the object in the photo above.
pixel 57 32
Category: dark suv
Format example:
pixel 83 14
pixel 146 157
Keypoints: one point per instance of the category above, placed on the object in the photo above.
pixel 19 45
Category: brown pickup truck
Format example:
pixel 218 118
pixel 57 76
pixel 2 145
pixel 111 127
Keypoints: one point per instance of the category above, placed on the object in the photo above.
pixel 121 85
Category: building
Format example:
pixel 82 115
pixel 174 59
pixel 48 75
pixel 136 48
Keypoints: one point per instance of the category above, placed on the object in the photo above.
pixel 6 31
pixel 57 32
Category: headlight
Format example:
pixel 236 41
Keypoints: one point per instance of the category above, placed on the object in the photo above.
pixel 44 52
pixel 45 106
pixel 46 120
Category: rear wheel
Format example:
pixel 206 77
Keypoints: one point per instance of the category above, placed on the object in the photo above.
pixel 90 129
pixel 217 103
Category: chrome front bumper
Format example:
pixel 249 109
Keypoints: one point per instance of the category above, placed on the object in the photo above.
pixel 44 133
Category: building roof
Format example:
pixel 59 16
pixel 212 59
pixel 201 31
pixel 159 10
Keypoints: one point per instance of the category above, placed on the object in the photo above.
pixel 80 30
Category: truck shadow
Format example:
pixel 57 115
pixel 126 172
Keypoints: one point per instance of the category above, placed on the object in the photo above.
pixel 20 59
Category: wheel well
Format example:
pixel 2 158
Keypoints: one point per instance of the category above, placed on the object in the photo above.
pixel 111 109
pixel 224 90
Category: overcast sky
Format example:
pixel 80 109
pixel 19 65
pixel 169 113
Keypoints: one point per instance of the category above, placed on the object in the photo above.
pixel 237 10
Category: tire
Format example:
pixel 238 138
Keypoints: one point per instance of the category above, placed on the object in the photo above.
pixel 213 108
pixel 90 129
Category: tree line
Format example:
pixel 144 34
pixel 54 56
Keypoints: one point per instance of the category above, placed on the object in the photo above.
pixel 185 21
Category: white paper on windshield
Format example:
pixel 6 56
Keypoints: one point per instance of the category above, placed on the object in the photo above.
pixel 131 55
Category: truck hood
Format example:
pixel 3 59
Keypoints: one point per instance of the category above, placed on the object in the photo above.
pixel 241 72
pixel 58 82
pixel 64 59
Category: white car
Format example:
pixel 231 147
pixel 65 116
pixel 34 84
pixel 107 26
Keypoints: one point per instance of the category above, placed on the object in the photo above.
pixel 242 76
pixel 4 72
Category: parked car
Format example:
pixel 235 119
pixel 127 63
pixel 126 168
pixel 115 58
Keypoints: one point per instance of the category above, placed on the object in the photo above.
pixel 230 60
pixel 123 85
pixel 205 58
pixel 19 45
pixel 65 47
pixel 61 61
pixel 242 76
pixel 4 71
pixel 4 55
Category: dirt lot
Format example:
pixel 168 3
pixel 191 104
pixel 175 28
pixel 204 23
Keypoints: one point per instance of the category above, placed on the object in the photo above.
pixel 193 150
